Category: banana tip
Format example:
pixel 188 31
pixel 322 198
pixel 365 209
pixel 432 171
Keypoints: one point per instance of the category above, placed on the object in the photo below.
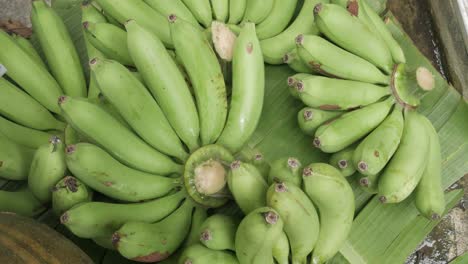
pixel 54 139
pixel 307 172
pixel 317 142
pixel 300 86
pixel 293 163
pixel 62 99
pixel 280 187
pixel 235 165
pixel 70 149
pixel 64 218
pixel 299 39
pixel 115 239
pixel 291 81
pixel 93 61
pixel 317 8
pixel 85 25
pixel 258 157
pixel 364 182
pixel 343 164
pixel 205 235
pixel 383 199
pixel 286 58
pixel 172 18
pixel 362 166
pixel 271 217
pixel 71 183
pixel 435 216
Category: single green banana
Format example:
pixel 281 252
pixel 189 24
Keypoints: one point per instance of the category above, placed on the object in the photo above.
pixel 220 9
pixel 258 160
pixel 29 49
pixel 247 186
pixel 286 170
pixel 334 198
pixel 99 219
pixel 236 11
pixel 25 136
pixel 136 105
pixel 29 74
pixel 248 85
pixel 257 235
pixel 335 23
pixel 198 254
pixel 429 192
pixel 277 20
pixel 343 161
pixel 330 60
pixel 68 193
pixel 309 119
pixel 18 106
pixel 294 62
pixel 176 7
pixel 97 169
pixel 335 94
pixel 205 73
pixel 145 242
pixel 201 10
pixel 257 11
pixel 275 47
pixel 21 202
pixel 47 168
pixel 15 160
pixel 369 183
pixel 281 249
pixel 218 232
pixel 405 169
pixel 347 129
pixel 124 10
pixel 95 123
pixel 376 150
pixel 110 40
pixel 59 49
pixel 301 222
pixel 198 218
pixel 165 81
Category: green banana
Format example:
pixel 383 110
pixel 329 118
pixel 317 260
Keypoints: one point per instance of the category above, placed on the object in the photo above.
pixel 247 186
pixel 205 73
pixel 69 192
pixel 124 10
pixel 59 49
pixel 327 59
pixel 95 123
pixel 198 254
pixel 47 168
pixel 261 164
pixel 347 129
pixel 21 202
pixel 335 94
pixel 201 10
pixel 309 119
pixel 334 198
pixel 198 218
pixel 102 102
pixel 220 9
pixel 15 160
pixel 97 169
pixel 98 219
pixel 218 232
pixel 145 242
pixel 257 11
pixel 275 47
pixel 405 169
pixel 29 49
pixel 248 85
pixel 286 170
pixel 336 23
pixel 374 152
pixel 110 40
pixel 29 74
pixel 165 82
pixel 18 106
pixel 236 11
pixel 22 135
pixel 278 19
pixel 429 198
pixel 281 249
pixel 294 62
pixel 301 222
pixel 343 161
pixel 176 7
pixel 369 183
pixel 257 235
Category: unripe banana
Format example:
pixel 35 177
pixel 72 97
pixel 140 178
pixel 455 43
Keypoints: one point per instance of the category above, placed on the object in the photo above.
pixel 336 24
pixel 29 74
pixel 281 249
pixel 236 11
pixel 95 123
pixel 47 168
pixel 15 160
pixel 176 7
pixel 429 192
pixel 257 235
pixel 247 186
pixel 278 19
pixel 218 232
pixel 369 183
pixel 220 9
pixel 334 197
pixel 404 171
pixel 301 223
pixel 198 254
pixel 258 160
pixel 146 242
pixel 59 49
pixel 374 152
pixel 335 94
pixel 275 47
pixel 198 218
pixel 309 119
pixel 343 161
pixel 28 48
pixel 25 136
pixel 286 170
pixel 124 10
pixel 69 192
pixel 21 202
pixel 201 10
pixel 258 10
pixel 248 85
pixel 350 127
pixel 294 62
pixel 165 81
pixel 205 73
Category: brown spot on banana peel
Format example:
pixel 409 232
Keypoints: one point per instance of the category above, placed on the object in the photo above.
pixel 70 149
pixel 71 183
pixel 383 199
pixel 317 8
pixel 329 107
pixel 317 67
pixel 249 48
pixel 353 7
pixel 258 157
pixel 62 99
pixel 206 235
pixel 307 172
pixel 64 218
pixel 308 115
pixel 317 142
pixel 362 166
pixel 235 165
pixel 376 153
pixel 293 163
pixel 172 18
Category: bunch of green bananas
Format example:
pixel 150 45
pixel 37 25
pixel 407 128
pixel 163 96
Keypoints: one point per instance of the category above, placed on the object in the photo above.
pixel 361 99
